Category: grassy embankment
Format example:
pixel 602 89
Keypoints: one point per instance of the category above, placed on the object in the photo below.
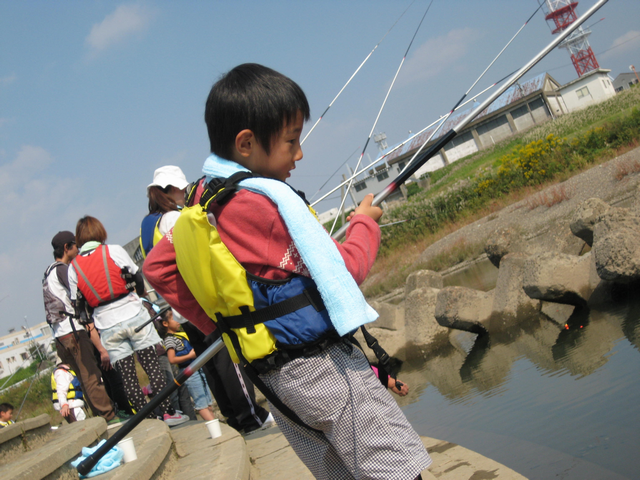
pixel 489 180
pixel 38 401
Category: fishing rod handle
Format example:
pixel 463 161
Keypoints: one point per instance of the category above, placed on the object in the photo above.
pixel 88 463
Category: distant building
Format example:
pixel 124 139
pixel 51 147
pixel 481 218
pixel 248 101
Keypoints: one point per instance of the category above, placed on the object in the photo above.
pixel 624 81
pixel 14 347
pixel 519 108
pixel 591 88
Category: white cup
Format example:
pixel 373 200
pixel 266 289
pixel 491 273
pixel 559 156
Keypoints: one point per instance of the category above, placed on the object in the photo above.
pixel 214 428
pixel 129 449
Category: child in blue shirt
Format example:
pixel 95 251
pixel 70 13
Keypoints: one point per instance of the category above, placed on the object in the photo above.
pixel 181 353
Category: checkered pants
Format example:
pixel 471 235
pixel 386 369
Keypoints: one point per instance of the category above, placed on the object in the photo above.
pixel 364 435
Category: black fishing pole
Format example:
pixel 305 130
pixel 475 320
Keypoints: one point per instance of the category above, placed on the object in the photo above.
pixel 380 111
pixel 153 317
pixel 414 165
pixel 354 74
pixel 88 463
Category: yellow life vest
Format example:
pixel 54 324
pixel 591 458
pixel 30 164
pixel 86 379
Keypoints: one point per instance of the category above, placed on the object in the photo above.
pixel 75 390
pixel 216 279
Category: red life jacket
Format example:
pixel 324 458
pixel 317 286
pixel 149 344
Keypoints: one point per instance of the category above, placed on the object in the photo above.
pixel 99 278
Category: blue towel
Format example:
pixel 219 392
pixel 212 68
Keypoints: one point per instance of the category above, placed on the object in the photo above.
pixel 111 460
pixel 345 303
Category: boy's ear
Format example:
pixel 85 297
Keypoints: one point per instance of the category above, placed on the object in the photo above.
pixel 245 142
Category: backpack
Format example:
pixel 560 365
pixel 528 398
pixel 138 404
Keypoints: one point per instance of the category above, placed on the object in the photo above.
pixel 54 307
pixel 149 233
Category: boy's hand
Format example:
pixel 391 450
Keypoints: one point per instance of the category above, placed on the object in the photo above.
pixel 398 387
pixel 365 208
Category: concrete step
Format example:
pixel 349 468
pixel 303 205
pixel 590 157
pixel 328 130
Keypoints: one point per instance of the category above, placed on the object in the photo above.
pixel 201 457
pixel 452 462
pixel 272 457
pixel 62 446
pixel 153 441
pixel 23 436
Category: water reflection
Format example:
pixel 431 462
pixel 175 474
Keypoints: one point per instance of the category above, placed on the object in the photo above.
pixel 571 391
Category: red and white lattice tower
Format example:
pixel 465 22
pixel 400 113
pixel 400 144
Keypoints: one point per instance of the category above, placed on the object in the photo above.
pixel 561 14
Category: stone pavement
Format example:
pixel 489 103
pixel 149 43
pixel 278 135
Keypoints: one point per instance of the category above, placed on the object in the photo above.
pixel 272 458
pixel 187 451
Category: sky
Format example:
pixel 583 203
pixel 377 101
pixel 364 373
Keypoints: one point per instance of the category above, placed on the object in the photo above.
pixel 95 95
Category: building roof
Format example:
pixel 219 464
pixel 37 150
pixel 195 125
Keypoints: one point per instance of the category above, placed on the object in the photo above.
pixel 586 75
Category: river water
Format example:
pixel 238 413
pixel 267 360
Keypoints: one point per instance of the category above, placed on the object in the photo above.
pixel 545 400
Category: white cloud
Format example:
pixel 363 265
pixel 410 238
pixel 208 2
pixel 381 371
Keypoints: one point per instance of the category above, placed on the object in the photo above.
pixel 627 42
pixel 118 26
pixel 8 80
pixel 437 54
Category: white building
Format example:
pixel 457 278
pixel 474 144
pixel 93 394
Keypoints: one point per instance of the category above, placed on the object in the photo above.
pixel 591 88
pixel 14 347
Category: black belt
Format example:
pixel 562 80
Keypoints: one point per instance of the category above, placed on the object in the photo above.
pixel 283 356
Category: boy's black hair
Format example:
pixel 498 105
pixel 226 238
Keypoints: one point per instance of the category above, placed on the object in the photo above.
pixel 253 97
pixel 6 407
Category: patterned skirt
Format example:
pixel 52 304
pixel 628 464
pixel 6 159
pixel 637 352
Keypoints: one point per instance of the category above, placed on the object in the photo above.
pixel 364 435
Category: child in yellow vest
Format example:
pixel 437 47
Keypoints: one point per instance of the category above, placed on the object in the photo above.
pixel 6 413
pixel 66 394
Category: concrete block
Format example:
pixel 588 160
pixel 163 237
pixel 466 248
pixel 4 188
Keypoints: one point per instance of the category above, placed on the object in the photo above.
pixel 510 301
pixel 422 279
pixel 390 317
pixel 616 246
pixel 558 277
pixel 558 313
pixel 464 308
pixel 420 322
pixel 585 218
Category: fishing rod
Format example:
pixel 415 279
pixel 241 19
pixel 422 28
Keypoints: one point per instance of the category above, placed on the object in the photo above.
pixel 380 111
pixel 397 147
pixel 88 463
pixel 447 137
pixel 153 317
pixel 456 107
pixel 424 144
pixel 354 74
pixel 331 176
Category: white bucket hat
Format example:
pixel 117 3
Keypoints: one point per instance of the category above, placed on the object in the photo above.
pixel 169 175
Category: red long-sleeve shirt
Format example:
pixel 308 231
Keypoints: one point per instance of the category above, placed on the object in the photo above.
pixel 254 232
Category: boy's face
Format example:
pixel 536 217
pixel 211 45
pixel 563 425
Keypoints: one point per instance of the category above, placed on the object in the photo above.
pixel 285 152
pixel 6 416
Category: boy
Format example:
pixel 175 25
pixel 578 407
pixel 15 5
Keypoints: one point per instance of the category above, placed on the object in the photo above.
pixel 347 424
pixel 6 413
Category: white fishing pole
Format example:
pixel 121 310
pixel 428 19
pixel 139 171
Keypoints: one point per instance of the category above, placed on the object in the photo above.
pixel 456 107
pixel 447 137
pixel 354 74
pixel 379 159
pixel 424 144
pixel 380 112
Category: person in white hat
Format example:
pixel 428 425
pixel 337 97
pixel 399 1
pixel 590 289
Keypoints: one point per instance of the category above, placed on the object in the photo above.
pixel 166 198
